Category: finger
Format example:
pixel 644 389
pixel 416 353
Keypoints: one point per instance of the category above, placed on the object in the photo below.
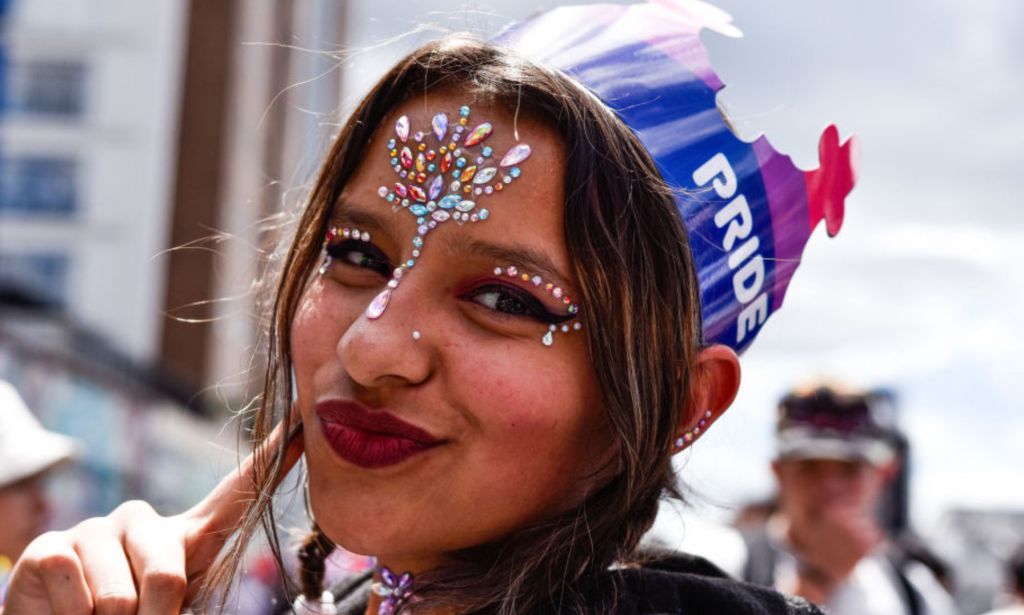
pixel 61 573
pixel 157 558
pixel 225 505
pixel 105 566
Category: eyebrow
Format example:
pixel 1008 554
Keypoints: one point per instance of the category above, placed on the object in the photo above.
pixel 347 211
pixel 534 261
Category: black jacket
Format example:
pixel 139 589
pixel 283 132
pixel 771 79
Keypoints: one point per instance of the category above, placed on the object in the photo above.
pixel 677 584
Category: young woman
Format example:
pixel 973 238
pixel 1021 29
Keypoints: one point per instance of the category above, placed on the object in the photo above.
pixel 486 343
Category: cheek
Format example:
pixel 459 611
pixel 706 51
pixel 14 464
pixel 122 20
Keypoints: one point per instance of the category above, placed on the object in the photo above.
pixel 541 425
pixel 321 319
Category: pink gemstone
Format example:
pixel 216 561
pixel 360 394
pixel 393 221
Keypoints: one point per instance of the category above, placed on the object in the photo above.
pixel 512 271
pixel 479 133
pixel 557 292
pixel 400 190
pixel 380 303
pixel 515 155
pixel 406 157
pixel 382 191
pixel 402 128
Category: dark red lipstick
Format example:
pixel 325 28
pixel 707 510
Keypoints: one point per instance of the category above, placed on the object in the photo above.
pixel 370 438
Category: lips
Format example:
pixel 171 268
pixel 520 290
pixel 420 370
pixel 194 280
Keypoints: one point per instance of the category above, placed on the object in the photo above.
pixel 370 438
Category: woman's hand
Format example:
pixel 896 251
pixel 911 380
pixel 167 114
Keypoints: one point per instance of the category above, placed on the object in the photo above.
pixel 134 560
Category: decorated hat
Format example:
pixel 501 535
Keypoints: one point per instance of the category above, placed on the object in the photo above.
pixel 748 209
pixel 826 423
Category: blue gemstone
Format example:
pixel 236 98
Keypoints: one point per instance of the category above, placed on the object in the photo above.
pixel 514 171
pixel 410 263
pixel 417 241
pixel 391 197
pixel 449 201
pixel 464 111
pixel 486 151
pixel 456 173
pixel 391 144
pixel 461 162
pixel 484 214
pixel 394 161
pixel 418 210
pixel 431 167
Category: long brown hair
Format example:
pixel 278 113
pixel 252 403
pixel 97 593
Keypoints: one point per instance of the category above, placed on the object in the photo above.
pixel 629 254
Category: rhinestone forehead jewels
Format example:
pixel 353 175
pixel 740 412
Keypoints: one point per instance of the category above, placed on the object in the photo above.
pixel 442 181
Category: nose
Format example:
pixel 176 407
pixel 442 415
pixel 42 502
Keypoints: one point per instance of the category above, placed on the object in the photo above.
pixel 394 349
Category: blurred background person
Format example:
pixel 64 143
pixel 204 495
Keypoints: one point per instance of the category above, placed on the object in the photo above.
pixel 827 541
pixel 1015 572
pixel 28 452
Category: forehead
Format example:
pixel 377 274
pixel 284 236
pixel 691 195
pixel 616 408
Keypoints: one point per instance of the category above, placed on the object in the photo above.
pixel 528 210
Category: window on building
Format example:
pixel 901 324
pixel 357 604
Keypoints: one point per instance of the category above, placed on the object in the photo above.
pixel 40 276
pixel 38 185
pixel 45 87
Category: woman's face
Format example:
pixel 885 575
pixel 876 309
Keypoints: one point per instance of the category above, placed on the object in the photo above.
pixel 417 447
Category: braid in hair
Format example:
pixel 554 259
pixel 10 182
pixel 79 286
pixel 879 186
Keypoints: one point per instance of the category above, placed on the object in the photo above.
pixel 312 557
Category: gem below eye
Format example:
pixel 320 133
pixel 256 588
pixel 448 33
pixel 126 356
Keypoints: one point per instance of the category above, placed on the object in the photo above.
pixel 402 128
pixel 515 155
pixel 479 133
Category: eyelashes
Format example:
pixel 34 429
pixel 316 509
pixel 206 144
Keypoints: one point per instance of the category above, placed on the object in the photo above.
pixel 505 300
pixel 361 254
pixel 512 301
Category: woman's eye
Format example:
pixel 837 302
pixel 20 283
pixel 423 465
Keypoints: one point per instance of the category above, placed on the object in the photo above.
pixel 512 302
pixel 361 254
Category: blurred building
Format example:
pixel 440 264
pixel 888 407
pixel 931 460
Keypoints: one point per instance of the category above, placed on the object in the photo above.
pixel 141 147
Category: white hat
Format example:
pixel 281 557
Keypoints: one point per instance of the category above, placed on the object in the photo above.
pixel 26 447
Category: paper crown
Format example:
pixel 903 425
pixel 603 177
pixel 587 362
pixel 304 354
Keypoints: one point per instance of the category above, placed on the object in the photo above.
pixel 749 210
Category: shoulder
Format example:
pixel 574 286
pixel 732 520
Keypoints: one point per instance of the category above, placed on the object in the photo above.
pixel 688 584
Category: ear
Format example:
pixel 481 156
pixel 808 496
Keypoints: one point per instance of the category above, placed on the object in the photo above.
pixel 714 382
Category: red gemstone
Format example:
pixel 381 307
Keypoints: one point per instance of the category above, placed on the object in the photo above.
pixel 418 193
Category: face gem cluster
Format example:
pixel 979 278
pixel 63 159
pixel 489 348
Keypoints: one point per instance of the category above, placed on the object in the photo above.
pixel 573 309
pixel 442 175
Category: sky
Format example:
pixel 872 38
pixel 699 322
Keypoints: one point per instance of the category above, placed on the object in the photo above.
pixel 921 291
